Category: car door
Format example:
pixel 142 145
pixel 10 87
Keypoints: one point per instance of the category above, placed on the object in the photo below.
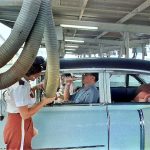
pixel 72 126
pixel 124 127
pixel 129 126
pixel 128 122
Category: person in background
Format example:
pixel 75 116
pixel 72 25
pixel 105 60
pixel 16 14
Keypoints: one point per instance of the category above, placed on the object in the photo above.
pixel 143 93
pixel 64 78
pixel 87 94
pixel 60 91
pixel 19 129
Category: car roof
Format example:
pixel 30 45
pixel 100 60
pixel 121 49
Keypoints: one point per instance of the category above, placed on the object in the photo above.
pixel 122 63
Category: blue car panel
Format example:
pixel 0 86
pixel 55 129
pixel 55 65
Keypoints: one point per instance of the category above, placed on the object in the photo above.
pixel 72 127
pixel 124 129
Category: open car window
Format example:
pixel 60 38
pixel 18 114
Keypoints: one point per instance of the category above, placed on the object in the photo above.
pixel 133 81
pixel 117 80
pixel 124 85
pixel 146 77
pixel 78 92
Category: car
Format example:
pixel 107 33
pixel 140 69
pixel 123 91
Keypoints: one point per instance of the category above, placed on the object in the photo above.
pixel 114 123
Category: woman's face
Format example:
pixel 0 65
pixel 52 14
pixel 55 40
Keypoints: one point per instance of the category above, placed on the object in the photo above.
pixel 144 96
pixel 34 76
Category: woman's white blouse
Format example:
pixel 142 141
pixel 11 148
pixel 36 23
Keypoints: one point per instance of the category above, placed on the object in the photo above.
pixel 17 96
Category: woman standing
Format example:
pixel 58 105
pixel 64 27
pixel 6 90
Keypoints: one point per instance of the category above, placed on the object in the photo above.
pixel 19 130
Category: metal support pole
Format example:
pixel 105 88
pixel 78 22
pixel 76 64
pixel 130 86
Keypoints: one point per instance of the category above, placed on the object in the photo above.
pixel 144 52
pixel 126 44
pixel 100 50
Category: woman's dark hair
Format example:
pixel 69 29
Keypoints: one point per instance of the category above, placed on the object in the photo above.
pixel 38 65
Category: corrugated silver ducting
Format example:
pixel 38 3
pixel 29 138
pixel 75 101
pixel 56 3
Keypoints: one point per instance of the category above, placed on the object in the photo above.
pixel 29 52
pixel 20 30
pixel 52 53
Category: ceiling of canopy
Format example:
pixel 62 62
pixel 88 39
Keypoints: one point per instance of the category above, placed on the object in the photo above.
pixel 111 23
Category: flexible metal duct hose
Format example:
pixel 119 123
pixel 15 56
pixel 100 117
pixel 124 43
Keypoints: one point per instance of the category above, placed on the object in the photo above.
pixel 20 30
pixel 29 52
pixel 52 53
pixel 25 60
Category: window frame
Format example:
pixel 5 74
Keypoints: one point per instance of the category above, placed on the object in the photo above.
pixel 127 74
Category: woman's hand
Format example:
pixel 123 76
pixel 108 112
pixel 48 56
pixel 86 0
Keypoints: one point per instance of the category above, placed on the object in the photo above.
pixel 68 80
pixel 147 97
pixel 40 85
pixel 46 100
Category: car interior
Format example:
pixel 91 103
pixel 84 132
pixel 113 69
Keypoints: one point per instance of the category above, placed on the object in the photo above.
pixel 123 94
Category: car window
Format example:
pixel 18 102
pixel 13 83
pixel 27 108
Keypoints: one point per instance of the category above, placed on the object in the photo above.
pixel 117 81
pixel 123 87
pixel 146 78
pixel 133 81
pixel 77 84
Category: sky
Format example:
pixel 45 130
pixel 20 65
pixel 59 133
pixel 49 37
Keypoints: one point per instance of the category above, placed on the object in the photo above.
pixel 5 32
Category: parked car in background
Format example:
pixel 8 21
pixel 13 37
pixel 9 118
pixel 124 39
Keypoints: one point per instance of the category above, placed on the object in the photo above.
pixel 114 123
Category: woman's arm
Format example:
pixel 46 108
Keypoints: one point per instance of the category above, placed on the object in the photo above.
pixel 69 81
pixel 26 112
pixel 38 86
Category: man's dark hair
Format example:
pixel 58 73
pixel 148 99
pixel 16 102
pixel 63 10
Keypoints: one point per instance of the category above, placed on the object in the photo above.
pixel 37 66
pixel 95 75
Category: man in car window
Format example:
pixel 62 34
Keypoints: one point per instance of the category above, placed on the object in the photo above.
pixel 87 94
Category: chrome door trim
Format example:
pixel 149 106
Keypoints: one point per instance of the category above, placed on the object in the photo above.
pixel 142 130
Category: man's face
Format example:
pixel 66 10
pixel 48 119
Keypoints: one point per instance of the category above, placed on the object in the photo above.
pixel 88 78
